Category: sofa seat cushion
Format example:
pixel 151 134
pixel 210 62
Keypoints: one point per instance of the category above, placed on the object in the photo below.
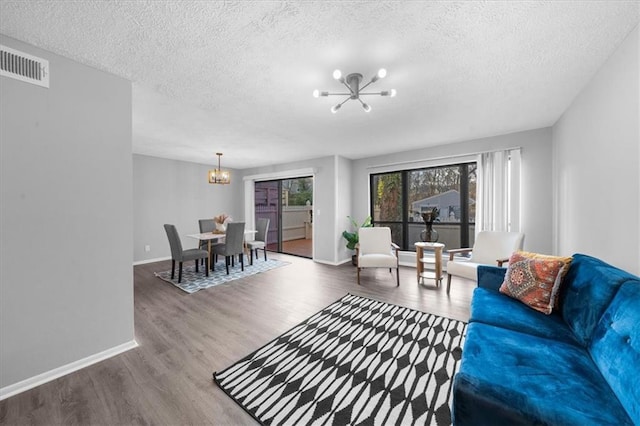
pixel 507 377
pixel 494 308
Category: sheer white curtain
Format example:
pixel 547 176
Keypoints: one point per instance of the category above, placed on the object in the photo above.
pixel 498 191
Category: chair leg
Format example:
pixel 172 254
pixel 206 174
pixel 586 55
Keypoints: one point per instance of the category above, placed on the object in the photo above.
pixel 241 256
pixel 398 276
pixel 358 276
pixel 197 265
pixel 179 272
pixel 265 253
pixel 206 265
pixel 173 268
pixel 226 262
pixel 448 282
pixel 251 256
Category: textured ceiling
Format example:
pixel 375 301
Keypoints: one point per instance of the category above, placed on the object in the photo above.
pixel 237 76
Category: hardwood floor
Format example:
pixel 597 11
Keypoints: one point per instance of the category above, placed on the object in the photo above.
pixel 185 338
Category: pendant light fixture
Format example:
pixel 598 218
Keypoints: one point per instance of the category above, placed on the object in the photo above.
pixel 352 82
pixel 218 175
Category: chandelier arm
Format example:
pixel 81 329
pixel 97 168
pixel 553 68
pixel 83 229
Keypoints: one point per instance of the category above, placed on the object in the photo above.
pixel 366 85
pixel 338 94
pixel 343 102
pixel 372 93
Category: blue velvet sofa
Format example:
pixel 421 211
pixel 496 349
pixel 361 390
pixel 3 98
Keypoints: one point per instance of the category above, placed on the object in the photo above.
pixel 578 366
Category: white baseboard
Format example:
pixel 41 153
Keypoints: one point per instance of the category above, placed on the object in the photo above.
pixel 326 262
pixel 50 375
pixel 158 259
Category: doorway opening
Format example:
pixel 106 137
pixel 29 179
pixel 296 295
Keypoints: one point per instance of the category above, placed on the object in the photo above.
pixel 288 204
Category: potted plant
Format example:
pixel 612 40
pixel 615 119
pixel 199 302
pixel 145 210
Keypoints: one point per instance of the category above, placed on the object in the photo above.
pixel 352 237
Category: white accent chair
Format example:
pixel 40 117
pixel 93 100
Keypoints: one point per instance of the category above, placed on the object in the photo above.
pixel 376 250
pixel 490 248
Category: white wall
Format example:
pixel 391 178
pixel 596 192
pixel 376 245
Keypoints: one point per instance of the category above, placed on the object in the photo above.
pixel 324 240
pixel 66 280
pixel 343 206
pixel 536 185
pixel 176 192
pixel 597 165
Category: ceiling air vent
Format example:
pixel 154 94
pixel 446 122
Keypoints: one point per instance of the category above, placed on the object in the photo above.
pixel 23 67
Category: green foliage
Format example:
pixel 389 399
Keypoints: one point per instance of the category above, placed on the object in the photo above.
pixel 352 237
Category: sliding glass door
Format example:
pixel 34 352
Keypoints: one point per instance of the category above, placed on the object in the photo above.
pixel 288 204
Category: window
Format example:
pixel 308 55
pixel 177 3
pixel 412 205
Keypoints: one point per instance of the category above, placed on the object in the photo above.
pixel 398 199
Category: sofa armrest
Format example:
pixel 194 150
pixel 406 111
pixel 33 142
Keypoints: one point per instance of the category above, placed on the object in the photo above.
pixel 490 277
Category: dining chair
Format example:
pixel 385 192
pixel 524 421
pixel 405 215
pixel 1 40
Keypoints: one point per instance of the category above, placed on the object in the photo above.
pixel 207 225
pixel 177 253
pixel 376 250
pixel 233 245
pixel 260 241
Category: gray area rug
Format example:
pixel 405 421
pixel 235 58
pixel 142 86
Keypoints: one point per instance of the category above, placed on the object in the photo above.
pixel 357 362
pixel 193 281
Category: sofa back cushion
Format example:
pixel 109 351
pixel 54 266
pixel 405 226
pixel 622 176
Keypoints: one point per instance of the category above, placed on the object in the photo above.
pixel 588 288
pixel 615 347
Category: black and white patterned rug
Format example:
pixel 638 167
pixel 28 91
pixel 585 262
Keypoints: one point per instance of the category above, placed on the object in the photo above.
pixel 357 362
pixel 193 281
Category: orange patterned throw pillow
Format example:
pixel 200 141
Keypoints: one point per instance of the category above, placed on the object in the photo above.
pixel 535 279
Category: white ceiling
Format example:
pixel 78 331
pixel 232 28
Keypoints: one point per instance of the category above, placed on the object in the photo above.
pixel 237 76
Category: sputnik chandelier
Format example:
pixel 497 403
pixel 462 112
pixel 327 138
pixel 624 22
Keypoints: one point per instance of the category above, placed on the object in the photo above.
pixel 352 82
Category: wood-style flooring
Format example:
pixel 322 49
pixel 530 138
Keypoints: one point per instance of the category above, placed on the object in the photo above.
pixel 184 338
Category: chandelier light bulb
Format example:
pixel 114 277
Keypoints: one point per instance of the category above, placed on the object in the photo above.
pixel 382 73
pixel 316 93
pixel 393 93
pixel 337 74
pixel 366 107
pixel 335 108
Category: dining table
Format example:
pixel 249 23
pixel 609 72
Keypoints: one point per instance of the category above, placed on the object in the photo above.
pixel 216 236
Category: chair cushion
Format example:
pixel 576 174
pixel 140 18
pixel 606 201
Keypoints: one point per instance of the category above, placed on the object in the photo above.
pixel 492 307
pixel 463 268
pixel 490 246
pixel 192 254
pixel 374 240
pixel 531 380
pixel 377 261
pixel 535 279
pixel 256 244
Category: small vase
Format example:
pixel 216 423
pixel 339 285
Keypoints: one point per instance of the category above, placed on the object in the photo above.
pixel 221 227
pixel 429 235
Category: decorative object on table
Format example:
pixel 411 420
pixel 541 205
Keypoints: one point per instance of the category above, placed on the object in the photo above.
pixel 221 222
pixel 218 175
pixel 430 235
pixel 192 281
pixel 352 82
pixel 352 237
pixel 358 361
pixel 376 250
pixel 177 253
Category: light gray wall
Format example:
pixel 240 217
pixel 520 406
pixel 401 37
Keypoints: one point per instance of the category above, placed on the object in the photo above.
pixel 536 185
pixel 343 206
pixel 66 280
pixel 597 164
pixel 324 201
pixel 176 192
